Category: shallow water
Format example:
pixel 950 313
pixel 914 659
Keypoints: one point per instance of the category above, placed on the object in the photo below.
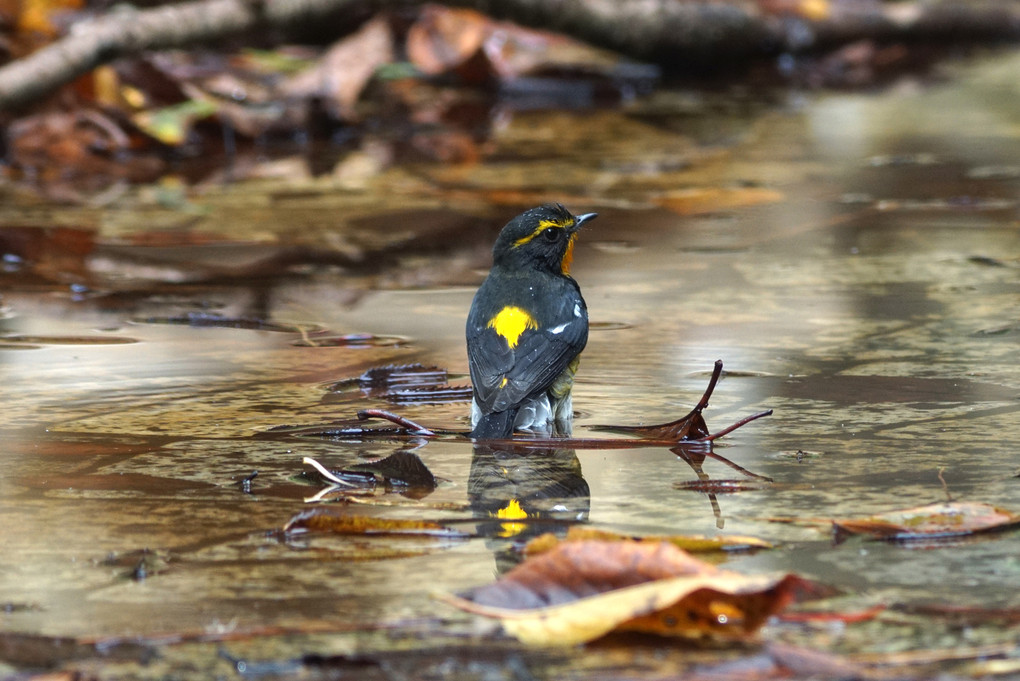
pixel 852 258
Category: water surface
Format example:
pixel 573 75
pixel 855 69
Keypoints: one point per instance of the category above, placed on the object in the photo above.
pixel 852 258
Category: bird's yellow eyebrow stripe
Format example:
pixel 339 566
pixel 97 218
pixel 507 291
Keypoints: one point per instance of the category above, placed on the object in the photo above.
pixel 511 322
pixel 542 226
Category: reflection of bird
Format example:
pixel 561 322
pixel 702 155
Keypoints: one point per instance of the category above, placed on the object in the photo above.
pixel 527 326
pixel 542 482
pixel 520 493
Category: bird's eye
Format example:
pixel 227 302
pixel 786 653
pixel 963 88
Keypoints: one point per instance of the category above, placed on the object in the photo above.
pixel 551 234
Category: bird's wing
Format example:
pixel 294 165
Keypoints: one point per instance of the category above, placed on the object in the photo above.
pixel 504 376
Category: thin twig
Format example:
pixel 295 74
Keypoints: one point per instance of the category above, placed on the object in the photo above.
pixel 324 472
pixel 411 426
pixel 666 31
pixel 729 429
pixel 945 487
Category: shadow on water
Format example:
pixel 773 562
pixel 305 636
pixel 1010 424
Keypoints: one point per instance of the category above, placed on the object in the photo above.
pixel 852 258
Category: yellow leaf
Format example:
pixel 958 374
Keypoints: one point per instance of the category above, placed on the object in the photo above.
pixel 691 543
pixel 36 15
pixel 171 125
pixel 326 520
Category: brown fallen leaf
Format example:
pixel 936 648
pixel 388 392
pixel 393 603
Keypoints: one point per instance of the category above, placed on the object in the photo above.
pixel 345 69
pixel 689 428
pixel 695 201
pixel 444 38
pixel 811 10
pixel 580 591
pixel 933 521
pixel 692 543
pixel 327 520
pixel 722 486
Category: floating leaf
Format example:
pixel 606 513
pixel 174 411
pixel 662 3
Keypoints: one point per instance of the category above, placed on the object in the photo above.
pixel 207 319
pixel 580 591
pixel 439 394
pixel 404 383
pixel 327 520
pixel 722 486
pixel 850 617
pixel 351 340
pixel 934 521
pixel 392 376
pixel 401 468
pixel 693 543
pixel 67 340
pixel 696 201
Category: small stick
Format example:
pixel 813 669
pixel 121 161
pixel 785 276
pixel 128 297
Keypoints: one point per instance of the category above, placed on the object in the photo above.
pixel 325 472
pixel 729 429
pixel 737 467
pixel 414 428
pixel 945 487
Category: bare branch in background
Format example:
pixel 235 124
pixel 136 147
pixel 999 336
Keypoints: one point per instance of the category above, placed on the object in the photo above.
pixel 676 34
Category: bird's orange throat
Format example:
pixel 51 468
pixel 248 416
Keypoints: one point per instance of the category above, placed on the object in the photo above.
pixel 568 256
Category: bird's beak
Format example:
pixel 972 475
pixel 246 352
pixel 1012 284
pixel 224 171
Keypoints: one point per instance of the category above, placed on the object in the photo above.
pixel 581 219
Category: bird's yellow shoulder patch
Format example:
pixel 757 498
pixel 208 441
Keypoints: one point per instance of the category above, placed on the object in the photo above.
pixel 511 322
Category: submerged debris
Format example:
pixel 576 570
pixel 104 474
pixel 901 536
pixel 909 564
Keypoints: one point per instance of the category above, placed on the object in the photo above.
pixel 405 384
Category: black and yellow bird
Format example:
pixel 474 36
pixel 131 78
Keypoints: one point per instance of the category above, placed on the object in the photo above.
pixel 527 327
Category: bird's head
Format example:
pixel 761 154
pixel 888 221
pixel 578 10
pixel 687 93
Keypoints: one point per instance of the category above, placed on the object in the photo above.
pixel 541 238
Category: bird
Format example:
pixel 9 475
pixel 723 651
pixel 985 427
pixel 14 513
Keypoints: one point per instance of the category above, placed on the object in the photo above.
pixel 526 328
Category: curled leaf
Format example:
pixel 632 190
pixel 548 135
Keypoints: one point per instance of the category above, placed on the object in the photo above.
pixel 580 591
pixel 400 468
pixel 697 201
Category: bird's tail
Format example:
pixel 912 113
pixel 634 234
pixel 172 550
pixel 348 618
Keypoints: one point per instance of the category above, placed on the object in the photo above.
pixel 495 426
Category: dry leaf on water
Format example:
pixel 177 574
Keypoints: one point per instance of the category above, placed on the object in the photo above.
pixel 327 520
pixel 933 521
pixel 580 591
pixel 696 201
pixel 691 543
